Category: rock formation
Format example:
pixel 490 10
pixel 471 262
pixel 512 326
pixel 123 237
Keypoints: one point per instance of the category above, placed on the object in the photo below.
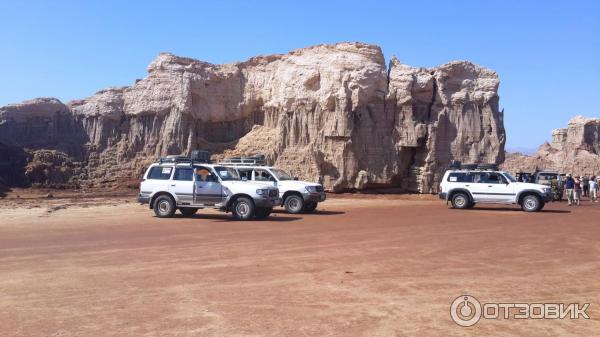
pixel 329 113
pixel 574 149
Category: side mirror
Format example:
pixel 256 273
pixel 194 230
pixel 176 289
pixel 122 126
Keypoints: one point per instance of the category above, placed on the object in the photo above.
pixel 295 178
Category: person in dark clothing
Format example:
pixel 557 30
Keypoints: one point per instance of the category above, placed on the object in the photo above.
pixel 585 181
pixel 569 189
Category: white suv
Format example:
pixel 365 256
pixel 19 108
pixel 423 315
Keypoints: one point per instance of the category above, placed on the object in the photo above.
pixel 180 183
pixel 465 187
pixel 297 196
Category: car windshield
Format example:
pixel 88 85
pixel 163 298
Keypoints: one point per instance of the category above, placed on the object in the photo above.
pixel 509 177
pixel 281 174
pixel 548 176
pixel 227 173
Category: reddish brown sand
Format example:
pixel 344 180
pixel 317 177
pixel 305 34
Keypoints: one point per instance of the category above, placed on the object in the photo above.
pixel 362 266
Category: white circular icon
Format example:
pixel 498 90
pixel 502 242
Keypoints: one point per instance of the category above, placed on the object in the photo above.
pixel 465 310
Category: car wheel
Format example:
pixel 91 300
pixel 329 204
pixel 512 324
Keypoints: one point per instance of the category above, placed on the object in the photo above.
pixel 243 208
pixel 460 201
pixel 188 211
pixel 531 203
pixel 293 204
pixel 164 206
pixel 262 213
pixel 310 207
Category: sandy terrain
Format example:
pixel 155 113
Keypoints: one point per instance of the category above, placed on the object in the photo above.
pixel 362 266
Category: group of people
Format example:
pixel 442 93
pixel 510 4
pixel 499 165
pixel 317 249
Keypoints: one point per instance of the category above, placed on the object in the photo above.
pixel 576 187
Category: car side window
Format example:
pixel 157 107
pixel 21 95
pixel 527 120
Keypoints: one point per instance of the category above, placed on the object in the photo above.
pixel 205 175
pixel 160 173
pixel 494 178
pixel 245 174
pixel 479 177
pixel 184 174
pixel 460 177
pixel 262 175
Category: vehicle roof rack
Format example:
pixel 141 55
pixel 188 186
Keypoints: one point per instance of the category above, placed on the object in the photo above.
pixel 257 160
pixel 174 159
pixel 198 156
pixel 457 165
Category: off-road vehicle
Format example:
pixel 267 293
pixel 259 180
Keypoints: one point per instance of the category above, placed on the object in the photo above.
pixel 189 184
pixel 297 196
pixel 550 178
pixel 466 185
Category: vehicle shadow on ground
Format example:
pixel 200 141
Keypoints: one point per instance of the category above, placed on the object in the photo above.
pixel 474 209
pixel 229 218
pixel 317 212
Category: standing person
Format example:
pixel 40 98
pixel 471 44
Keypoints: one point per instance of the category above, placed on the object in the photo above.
pixel 586 186
pixel 594 189
pixel 569 187
pixel 577 190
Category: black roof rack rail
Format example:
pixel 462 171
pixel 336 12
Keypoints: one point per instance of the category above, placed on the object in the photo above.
pixel 174 159
pixel 457 165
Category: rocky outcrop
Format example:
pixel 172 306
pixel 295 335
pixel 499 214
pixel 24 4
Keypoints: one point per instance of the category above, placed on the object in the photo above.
pixel 574 149
pixel 330 113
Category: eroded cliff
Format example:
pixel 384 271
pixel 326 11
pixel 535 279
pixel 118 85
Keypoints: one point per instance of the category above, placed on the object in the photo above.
pixel 329 113
pixel 574 149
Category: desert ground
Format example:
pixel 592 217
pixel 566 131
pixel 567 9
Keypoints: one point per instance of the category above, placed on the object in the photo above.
pixel 363 265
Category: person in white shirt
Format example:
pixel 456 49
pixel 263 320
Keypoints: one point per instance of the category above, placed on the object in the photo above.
pixel 594 189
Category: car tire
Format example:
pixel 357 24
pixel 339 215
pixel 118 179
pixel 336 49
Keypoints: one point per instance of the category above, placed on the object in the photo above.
pixel 263 212
pixel 310 207
pixel 293 204
pixel 188 211
pixel 164 206
pixel 531 203
pixel 243 208
pixel 460 201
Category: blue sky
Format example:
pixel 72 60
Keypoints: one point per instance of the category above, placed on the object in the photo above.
pixel 547 53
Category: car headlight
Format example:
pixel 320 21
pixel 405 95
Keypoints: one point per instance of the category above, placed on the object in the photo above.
pixel 547 189
pixel 311 189
pixel 262 192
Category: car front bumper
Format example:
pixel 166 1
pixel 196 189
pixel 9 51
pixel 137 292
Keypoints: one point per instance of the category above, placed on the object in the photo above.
pixel 267 202
pixel 548 197
pixel 314 197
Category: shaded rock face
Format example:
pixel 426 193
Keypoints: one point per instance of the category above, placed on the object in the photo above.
pixel 13 160
pixel 574 149
pixel 42 123
pixel 329 113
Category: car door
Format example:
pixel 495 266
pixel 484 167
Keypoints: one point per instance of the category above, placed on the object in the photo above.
pixel 499 188
pixel 208 188
pixel 182 185
pixel 479 187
